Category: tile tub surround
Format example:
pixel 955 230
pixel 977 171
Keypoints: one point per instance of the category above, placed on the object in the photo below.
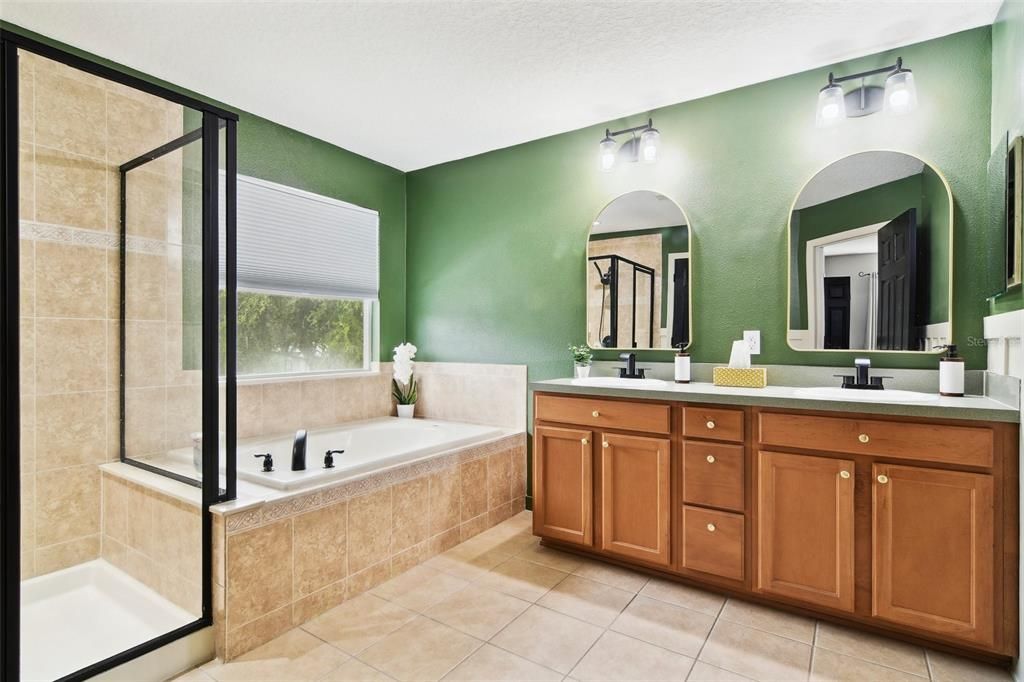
pixel 75 129
pixel 475 393
pixel 501 607
pixel 494 395
pixel 281 562
pixel 155 538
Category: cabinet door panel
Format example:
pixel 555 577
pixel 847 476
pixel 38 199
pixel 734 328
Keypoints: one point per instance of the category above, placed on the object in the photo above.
pixel 635 491
pixel 933 550
pixel 805 528
pixel 563 484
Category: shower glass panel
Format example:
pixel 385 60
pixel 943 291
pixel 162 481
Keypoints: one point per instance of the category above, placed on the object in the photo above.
pixel 117 428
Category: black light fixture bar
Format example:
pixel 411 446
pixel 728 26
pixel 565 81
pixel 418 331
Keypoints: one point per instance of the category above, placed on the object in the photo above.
pixel 634 130
pixel 864 74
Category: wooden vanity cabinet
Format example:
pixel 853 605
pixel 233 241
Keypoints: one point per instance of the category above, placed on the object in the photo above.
pixel 908 526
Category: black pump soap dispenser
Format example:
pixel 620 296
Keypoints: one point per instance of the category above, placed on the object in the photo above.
pixel 951 372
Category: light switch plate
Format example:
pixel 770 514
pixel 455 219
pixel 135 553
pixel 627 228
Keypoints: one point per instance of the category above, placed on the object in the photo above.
pixel 753 340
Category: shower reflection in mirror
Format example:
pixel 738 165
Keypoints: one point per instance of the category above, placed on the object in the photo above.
pixel 638 274
pixel 869 254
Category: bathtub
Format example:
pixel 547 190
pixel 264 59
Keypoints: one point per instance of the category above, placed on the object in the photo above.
pixel 369 446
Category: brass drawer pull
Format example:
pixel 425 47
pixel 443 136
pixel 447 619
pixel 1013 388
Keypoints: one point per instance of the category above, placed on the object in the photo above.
pixel 605 444
pixel 883 479
pixel 596 413
pixel 584 441
pixel 711 459
pixel 711 528
pixel 711 424
pixel 844 474
pixel 863 438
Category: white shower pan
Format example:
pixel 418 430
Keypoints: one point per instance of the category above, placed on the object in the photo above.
pixel 84 614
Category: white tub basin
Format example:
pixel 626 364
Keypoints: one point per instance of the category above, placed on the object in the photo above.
pixel 868 396
pixel 615 382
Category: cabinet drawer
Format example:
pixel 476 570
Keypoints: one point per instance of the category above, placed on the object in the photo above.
pixel 713 542
pixel 965 445
pixel 608 414
pixel 713 474
pixel 714 423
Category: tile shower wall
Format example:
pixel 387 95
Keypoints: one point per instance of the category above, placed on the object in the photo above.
pixel 155 538
pixel 75 129
pixel 282 563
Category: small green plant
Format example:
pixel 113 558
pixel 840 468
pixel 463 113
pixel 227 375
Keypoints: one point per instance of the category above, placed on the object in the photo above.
pixel 581 355
pixel 404 395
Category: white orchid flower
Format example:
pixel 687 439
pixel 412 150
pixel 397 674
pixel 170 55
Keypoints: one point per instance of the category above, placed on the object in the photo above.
pixel 403 364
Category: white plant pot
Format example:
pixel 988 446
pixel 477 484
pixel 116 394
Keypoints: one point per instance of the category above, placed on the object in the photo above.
pixel 405 411
pixel 581 371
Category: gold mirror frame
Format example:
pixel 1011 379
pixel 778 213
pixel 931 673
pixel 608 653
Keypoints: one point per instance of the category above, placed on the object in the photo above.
pixel 586 274
pixel 789 259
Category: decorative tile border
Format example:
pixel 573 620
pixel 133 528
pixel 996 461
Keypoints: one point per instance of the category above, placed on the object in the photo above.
pixel 111 241
pixel 275 510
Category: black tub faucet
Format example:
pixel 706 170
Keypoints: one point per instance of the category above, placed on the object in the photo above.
pixel 299 451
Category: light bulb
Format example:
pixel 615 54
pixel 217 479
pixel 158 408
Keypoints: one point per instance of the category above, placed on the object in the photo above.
pixel 649 145
pixel 900 92
pixel 608 151
pixel 831 105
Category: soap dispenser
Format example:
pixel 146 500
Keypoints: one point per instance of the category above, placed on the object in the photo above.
pixel 682 368
pixel 951 372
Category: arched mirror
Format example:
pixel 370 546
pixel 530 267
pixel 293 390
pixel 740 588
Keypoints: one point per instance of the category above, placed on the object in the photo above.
pixel 639 258
pixel 870 256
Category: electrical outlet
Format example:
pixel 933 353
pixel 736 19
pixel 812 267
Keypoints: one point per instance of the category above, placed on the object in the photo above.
pixel 753 341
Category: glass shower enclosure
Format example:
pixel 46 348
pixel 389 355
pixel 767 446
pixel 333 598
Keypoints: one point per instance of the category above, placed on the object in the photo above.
pixel 118 389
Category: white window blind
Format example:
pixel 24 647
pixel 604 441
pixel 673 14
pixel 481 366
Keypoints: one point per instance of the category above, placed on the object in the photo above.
pixel 299 243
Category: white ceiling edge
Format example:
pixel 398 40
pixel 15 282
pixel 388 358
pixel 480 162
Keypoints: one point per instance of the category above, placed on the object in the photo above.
pixel 414 84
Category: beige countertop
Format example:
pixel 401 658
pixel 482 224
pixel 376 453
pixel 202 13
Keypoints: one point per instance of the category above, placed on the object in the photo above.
pixel 974 407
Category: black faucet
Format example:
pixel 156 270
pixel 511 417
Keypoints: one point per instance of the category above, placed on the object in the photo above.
pixel 329 458
pixel 268 462
pixel 862 379
pixel 299 451
pixel 630 371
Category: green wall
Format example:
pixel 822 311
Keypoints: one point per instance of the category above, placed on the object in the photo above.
pixel 497 241
pixel 923 192
pixel 1007 109
pixel 273 152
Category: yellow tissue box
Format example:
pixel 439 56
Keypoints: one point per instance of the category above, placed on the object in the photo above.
pixel 747 377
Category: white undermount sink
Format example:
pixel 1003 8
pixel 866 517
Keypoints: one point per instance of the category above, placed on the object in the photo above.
pixel 615 382
pixel 862 395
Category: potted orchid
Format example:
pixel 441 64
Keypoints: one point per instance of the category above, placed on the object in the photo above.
pixel 403 385
pixel 582 357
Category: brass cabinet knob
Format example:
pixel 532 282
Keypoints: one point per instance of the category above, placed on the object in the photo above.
pixel 711 528
pixel 596 413
pixel 605 444
pixel 863 438
pixel 883 479
pixel 584 441
pixel 711 424
pixel 711 459
pixel 844 474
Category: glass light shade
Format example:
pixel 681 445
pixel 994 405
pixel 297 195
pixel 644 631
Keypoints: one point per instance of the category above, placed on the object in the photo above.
pixel 649 145
pixel 831 106
pixel 608 151
pixel 900 92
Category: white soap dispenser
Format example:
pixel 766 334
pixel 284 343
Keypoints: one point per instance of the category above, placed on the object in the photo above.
pixel 951 372
pixel 682 366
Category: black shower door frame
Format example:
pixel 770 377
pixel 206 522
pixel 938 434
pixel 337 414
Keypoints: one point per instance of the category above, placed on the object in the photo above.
pixel 214 118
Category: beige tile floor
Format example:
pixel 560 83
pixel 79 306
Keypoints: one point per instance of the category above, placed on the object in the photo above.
pixel 501 607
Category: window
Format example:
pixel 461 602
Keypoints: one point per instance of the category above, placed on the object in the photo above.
pixel 308 278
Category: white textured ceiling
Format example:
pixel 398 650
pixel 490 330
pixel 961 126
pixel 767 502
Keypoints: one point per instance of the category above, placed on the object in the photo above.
pixel 412 84
pixel 640 210
pixel 857 173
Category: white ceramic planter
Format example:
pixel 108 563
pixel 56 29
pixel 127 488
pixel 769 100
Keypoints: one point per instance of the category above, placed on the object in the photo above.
pixel 406 411
pixel 581 371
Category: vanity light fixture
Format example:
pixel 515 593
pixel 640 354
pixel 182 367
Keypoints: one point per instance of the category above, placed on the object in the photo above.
pixel 899 96
pixel 642 147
